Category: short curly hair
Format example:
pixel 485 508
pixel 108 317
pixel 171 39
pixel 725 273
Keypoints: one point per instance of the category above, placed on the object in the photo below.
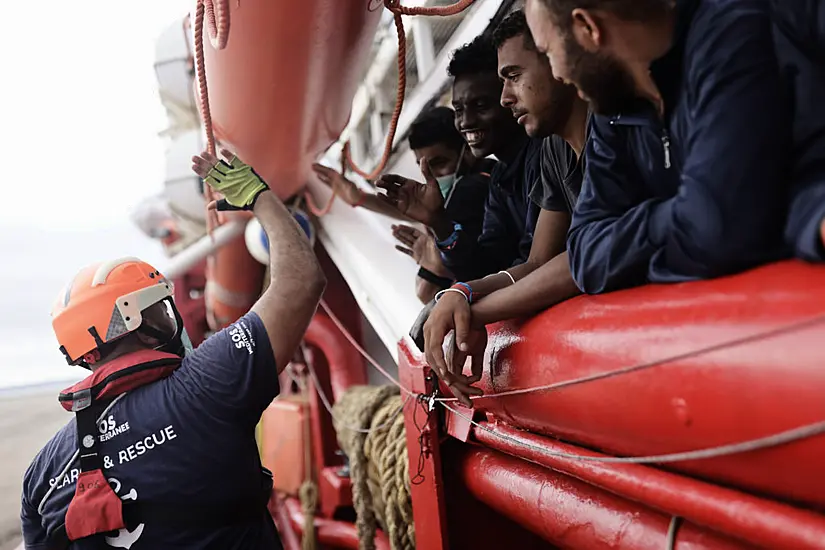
pixel 479 56
pixel 515 24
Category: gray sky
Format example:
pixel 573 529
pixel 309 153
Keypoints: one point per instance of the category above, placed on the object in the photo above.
pixel 80 116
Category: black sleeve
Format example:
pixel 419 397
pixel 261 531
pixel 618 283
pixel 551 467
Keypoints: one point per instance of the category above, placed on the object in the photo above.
pixel 557 160
pixel 468 202
pixel 494 250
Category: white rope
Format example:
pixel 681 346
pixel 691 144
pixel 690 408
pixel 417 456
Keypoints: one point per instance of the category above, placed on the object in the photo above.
pixel 672 531
pixel 362 351
pixel 781 438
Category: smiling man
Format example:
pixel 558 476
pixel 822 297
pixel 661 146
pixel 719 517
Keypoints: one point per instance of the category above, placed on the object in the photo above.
pixel 706 120
pixel 489 129
pixel 547 109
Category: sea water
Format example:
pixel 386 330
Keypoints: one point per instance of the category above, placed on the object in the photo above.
pixel 30 358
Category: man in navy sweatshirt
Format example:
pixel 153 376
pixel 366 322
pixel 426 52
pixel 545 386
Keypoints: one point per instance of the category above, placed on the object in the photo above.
pixel 704 129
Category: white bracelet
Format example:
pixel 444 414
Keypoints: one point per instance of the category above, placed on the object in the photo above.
pixel 512 279
pixel 441 293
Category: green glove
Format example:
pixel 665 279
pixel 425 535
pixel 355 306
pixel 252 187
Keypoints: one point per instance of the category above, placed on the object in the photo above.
pixel 237 182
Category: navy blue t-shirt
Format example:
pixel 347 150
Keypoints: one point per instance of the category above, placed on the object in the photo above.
pixel 187 438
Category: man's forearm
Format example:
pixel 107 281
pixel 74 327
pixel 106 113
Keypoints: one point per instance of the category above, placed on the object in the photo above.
pixel 544 287
pixel 497 281
pixel 290 254
pixel 373 203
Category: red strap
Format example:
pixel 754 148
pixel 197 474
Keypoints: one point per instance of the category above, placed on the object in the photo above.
pixel 95 507
pixel 116 386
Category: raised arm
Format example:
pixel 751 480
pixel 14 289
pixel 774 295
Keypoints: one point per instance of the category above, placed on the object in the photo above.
pixel 296 280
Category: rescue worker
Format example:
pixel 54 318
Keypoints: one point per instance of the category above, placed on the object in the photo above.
pixel 162 451
pixel 708 117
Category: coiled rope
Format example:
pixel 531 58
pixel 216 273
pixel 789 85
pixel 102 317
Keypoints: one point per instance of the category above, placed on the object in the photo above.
pixel 378 463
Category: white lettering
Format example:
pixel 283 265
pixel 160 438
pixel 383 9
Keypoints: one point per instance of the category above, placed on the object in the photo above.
pixel 112 429
pixel 142 446
pixel 241 336
pixel 69 477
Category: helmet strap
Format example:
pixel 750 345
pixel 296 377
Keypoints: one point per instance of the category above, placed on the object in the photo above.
pixel 92 357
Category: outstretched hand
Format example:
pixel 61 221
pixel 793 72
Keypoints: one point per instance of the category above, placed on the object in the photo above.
pixel 341 186
pixel 420 246
pixel 234 179
pixel 420 202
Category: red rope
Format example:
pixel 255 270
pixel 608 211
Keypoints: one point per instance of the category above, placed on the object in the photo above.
pixel 218 34
pixel 398 10
pixel 443 11
pixel 218 21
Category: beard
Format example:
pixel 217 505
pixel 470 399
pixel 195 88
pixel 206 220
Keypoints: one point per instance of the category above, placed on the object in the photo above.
pixel 607 85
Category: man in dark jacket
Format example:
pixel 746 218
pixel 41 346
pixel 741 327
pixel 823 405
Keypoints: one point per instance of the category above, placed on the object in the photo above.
pixel 800 44
pixel 688 157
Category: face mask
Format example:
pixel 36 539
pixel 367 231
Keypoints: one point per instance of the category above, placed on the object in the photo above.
pixel 445 183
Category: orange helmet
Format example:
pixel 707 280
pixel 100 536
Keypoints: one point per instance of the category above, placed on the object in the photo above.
pixel 104 302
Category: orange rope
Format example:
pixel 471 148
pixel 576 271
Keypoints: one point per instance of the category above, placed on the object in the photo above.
pixel 398 10
pixel 443 11
pixel 218 34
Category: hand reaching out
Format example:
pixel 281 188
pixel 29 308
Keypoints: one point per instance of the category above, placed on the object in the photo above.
pixel 341 186
pixel 421 247
pixel 420 202
pixel 234 179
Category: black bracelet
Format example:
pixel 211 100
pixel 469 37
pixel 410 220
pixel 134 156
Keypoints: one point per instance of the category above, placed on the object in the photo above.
pixel 430 277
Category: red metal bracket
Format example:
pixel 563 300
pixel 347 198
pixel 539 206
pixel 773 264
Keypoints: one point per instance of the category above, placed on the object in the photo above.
pixel 427 487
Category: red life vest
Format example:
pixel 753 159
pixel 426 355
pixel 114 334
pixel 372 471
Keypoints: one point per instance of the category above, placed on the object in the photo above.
pixel 95 507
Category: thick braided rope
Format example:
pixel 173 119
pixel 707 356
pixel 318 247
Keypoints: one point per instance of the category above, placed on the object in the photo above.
pixel 357 407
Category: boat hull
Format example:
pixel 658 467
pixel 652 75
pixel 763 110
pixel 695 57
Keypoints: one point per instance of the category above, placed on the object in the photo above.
pixel 764 376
